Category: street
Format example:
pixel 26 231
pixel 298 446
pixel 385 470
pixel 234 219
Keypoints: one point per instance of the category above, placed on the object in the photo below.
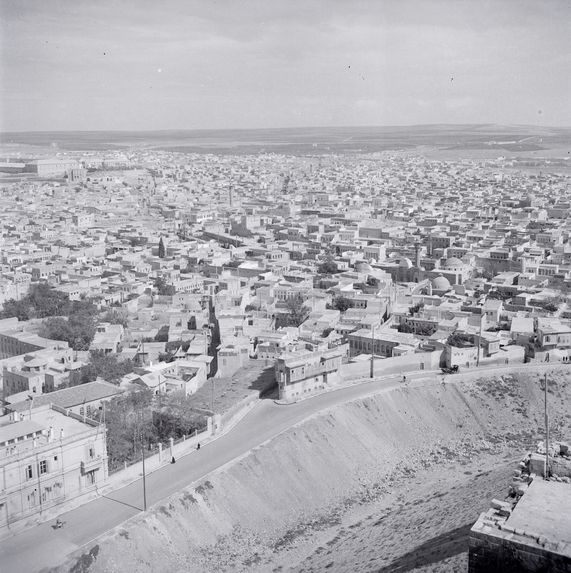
pixel 43 546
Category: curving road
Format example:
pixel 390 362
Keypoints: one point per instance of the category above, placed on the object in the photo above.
pixel 42 546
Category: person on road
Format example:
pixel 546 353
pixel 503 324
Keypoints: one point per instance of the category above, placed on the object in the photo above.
pixel 173 461
pixel 59 523
pixel 404 379
pixel 198 446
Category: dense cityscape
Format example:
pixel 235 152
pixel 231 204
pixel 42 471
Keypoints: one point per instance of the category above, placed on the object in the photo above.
pixel 285 287
pixel 150 297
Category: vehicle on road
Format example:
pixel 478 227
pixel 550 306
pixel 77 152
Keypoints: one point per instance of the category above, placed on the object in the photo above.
pixel 451 370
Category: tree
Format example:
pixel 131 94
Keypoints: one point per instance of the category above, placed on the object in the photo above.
pixel 174 345
pixel 163 288
pixel 422 329
pixel 341 303
pixel 499 295
pixel 163 334
pixel 328 267
pixel 297 310
pixel 412 310
pixel 40 302
pixel 175 415
pixel 106 366
pixel 460 340
pixel 162 250
pixel 115 317
pixel 129 425
pixel 78 330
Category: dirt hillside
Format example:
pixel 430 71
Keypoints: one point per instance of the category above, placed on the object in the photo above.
pixel 387 483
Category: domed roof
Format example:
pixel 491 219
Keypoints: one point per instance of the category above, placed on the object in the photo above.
pixel 406 263
pixel 452 263
pixel 440 283
pixel 363 267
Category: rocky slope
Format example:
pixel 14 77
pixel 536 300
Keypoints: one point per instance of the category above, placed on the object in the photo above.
pixel 387 483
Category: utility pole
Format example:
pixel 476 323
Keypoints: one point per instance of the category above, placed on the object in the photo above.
pixel 546 470
pixel 144 477
pixel 372 351
pixel 212 395
pixel 140 417
pixel 480 338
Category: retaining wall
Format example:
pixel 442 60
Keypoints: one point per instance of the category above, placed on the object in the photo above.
pixel 493 552
pixel 396 365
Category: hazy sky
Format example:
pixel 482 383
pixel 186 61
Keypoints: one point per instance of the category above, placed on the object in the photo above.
pixel 190 64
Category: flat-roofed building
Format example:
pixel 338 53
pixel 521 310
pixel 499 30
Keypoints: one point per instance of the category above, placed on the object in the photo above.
pixel 49 167
pixel 533 536
pixel 301 373
pixel 379 342
pixel 47 460
pixel 83 399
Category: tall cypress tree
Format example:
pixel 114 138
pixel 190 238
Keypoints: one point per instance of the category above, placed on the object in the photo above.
pixel 162 250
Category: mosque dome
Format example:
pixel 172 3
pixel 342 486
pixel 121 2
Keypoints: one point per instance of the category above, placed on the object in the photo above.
pixel 363 267
pixel 440 283
pixel 452 263
pixel 405 263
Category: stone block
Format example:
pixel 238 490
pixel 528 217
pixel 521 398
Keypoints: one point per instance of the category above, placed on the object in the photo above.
pixel 497 504
pixel 505 511
pixel 521 489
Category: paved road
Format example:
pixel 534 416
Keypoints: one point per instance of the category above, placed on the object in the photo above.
pixel 42 546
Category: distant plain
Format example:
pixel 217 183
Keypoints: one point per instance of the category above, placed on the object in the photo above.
pixel 303 141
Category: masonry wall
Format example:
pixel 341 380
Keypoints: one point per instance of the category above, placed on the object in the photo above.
pixel 497 554
pixel 396 365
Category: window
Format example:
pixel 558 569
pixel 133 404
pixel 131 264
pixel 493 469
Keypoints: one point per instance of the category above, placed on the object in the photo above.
pixel 92 452
pixel 29 472
pixel 90 478
pixel 43 467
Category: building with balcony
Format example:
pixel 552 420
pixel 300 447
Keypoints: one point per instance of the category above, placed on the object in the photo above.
pixel 301 373
pixel 48 458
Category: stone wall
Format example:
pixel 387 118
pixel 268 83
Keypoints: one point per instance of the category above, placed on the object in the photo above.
pixel 498 545
pixel 496 552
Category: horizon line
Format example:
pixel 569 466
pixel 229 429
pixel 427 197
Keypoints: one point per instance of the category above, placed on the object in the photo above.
pixel 213 129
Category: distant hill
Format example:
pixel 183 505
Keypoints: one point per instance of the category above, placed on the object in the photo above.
pixel 312 140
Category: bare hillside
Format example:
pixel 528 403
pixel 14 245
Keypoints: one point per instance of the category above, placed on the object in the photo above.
pixel 387 483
